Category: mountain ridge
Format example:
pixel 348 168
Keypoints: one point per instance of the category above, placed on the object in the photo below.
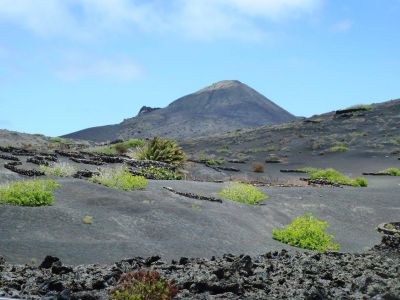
pixel 223 106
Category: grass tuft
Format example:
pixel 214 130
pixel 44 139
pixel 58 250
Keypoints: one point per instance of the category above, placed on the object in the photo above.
pixel 144 285
pixel 58 170
pixel 118 148
pixel 392 171
pixel 339 148
pixel 160 173
pixel 362 107
pixel 120 178
pixel 334 176
pixel 244 193
pixel 309 170
pixel 29 193
pixel 307 232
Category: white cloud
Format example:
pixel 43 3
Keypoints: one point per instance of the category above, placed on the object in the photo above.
pixel 194 18
pixel 78 67
pixel 342 26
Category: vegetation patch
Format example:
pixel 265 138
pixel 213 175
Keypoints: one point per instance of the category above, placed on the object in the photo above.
pixel 58 170
pixel 164 150
pixel 362 107
pixel 244 193
pixel 333 176
pixel 144 285
pixel 307 232
pixel 119 178
pixel 160 173
pixel 309 170
pixel 339 148
pixel 88 220
pixel 58 140
pixel 215 162
pixel 258 167
pixel 119 148
pixel 29 193
pixel 391 172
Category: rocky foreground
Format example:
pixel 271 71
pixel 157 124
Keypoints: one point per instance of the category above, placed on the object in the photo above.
pixel 374 274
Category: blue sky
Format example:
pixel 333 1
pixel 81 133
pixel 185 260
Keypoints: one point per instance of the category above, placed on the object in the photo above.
pixel 66 65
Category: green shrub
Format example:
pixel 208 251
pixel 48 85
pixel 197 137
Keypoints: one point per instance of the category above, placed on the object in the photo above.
pixel 392 171
pixel 144 285
pixel 58 170
pixel 307 232
pixel 334 176
pixel 339 148
pixel 119 148
pixel 214 162
pixel 58 140
pixel 244 193
pixel 360 181
pixel 362 107
pixel 163 150
pixel 160 173
pixel 120 178
pixel 309 170
pixel 29 193
pixel 88 220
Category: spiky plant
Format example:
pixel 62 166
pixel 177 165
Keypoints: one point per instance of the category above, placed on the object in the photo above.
pixel 164 150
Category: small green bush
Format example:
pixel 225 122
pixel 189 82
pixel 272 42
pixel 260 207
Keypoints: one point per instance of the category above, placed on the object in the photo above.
pixel 360 181
pixel 120 178
pixel 244 193
pixel 160 173
pixel 144 285
pixel 58 140
pixel 307 232
pixel 362 107
pixel 58 170
pixel 334 176
pixel 163 150
pixel 309 170
pixel 392 171
pixel 88 220
pixel 29 193
pixel 339 148
pixel 119 148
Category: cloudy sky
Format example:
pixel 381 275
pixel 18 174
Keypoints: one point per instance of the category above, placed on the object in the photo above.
pixel 70 64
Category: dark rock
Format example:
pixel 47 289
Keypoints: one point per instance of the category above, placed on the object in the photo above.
pixel 59 270
pixel 183 260
pixel 117 141
pixel 31 173
pixel 87 161
pixel 99 285
pixel 146 110
pixel 193 196
pixel 149 261
pixel 64 295
pixel 49 262
pixel 55 286
pixel 9 157
pixel 70 154
pixel 84 174
pixel 374 274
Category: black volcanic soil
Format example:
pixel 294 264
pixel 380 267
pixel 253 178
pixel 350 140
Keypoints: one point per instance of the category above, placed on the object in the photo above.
pixel 374 274
pixel 158 222
pixel 370 134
